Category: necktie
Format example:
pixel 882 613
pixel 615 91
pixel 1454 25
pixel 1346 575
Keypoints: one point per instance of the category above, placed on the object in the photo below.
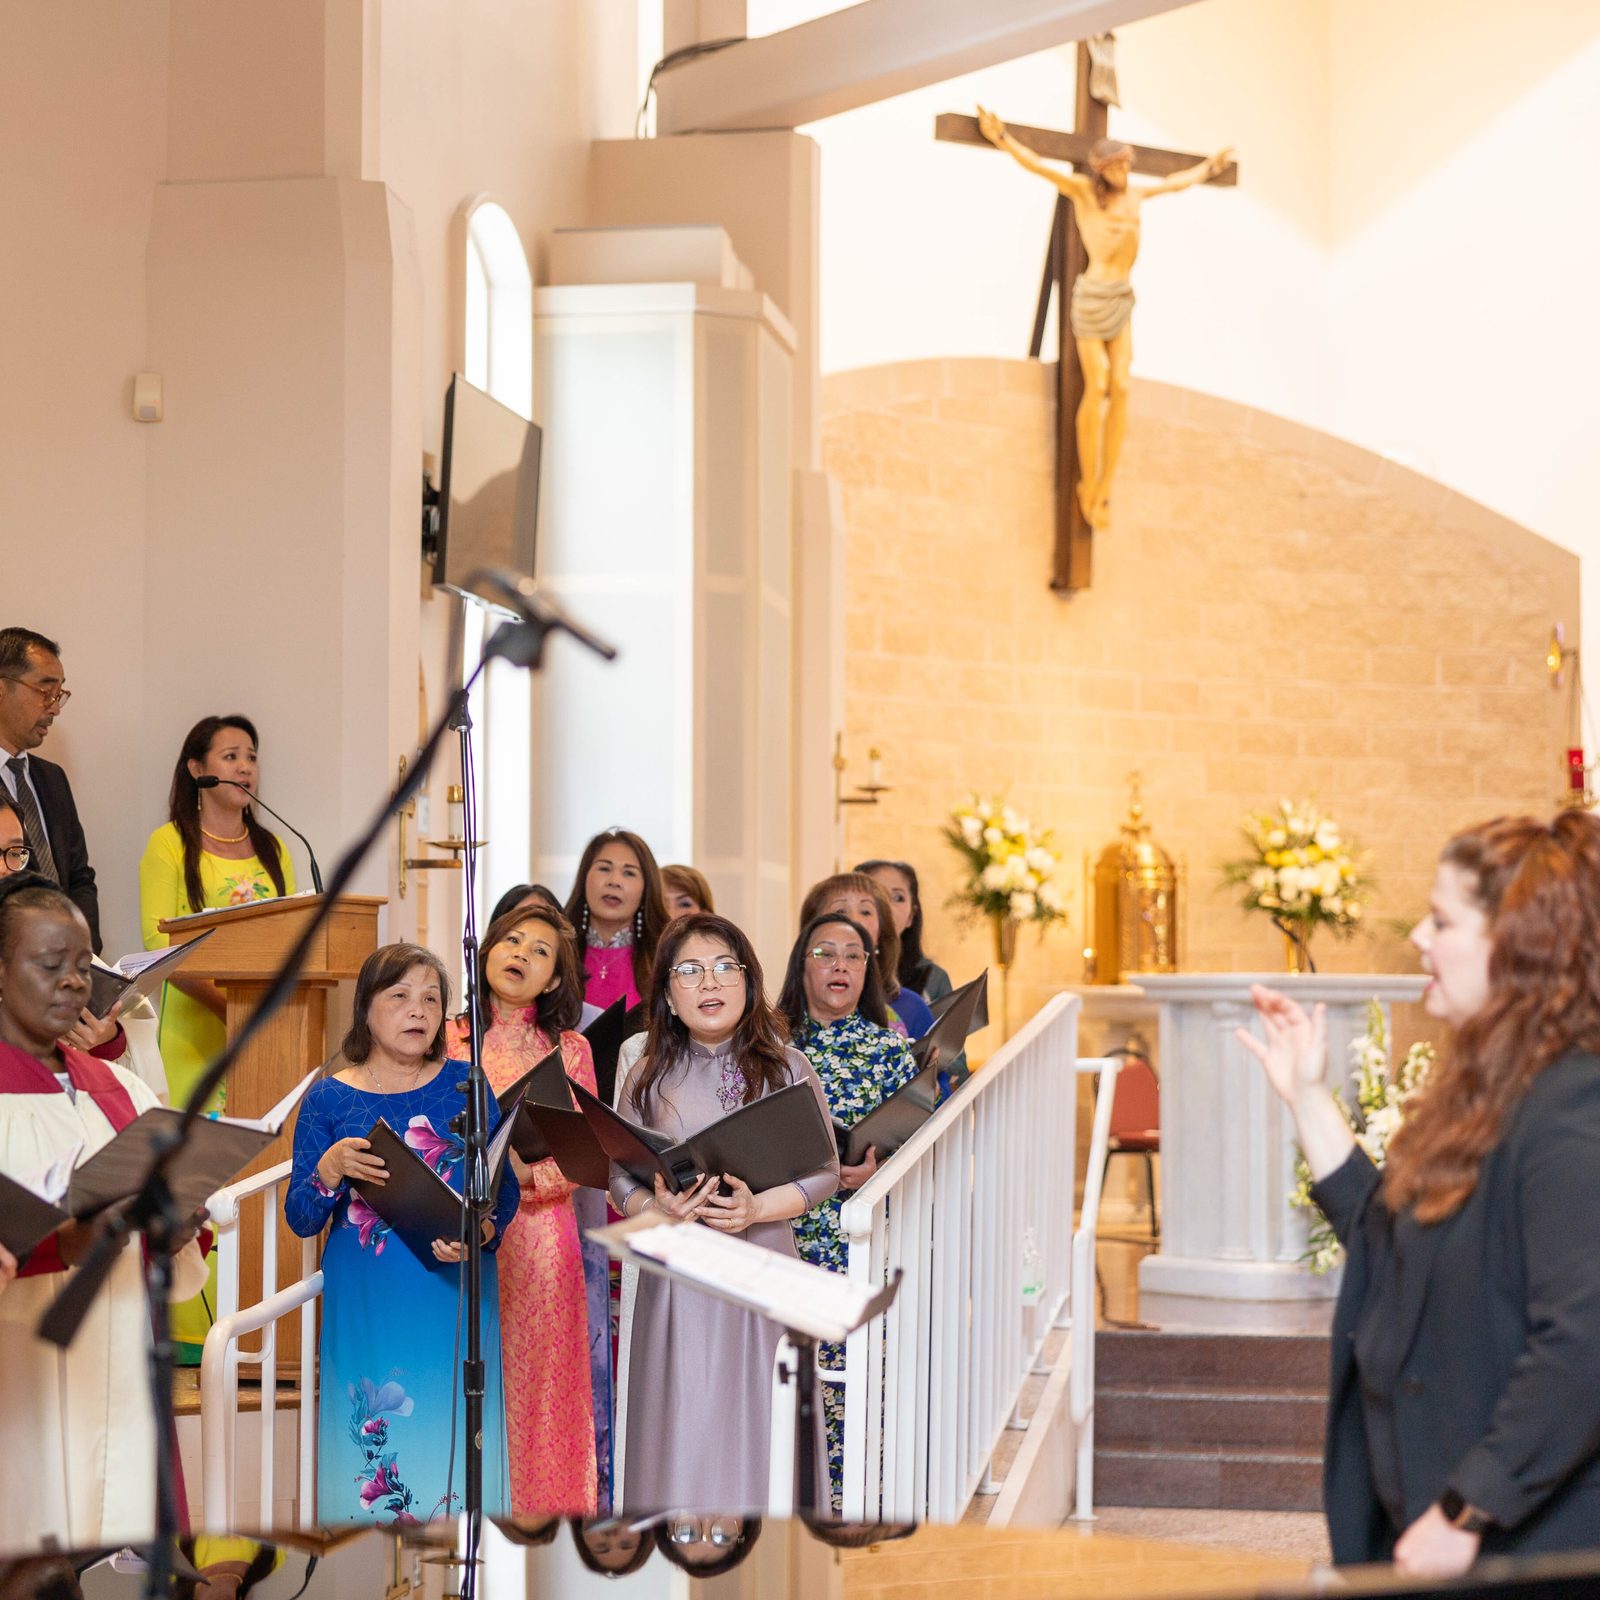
pixel 32 822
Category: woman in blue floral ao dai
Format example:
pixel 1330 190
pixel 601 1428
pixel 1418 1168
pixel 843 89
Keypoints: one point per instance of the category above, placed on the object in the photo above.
pixel 390 1420
pixel 833 1000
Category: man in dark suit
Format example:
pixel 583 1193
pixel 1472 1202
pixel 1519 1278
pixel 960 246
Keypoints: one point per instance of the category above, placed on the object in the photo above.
pixel 32 692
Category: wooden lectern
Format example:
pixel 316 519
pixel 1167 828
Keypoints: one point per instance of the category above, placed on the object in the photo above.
pixel 248 947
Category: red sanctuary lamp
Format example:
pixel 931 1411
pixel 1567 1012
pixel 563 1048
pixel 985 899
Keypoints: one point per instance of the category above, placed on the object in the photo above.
pixel 1576 795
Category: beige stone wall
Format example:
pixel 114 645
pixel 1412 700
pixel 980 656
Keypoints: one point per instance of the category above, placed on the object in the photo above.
pixel 1273 612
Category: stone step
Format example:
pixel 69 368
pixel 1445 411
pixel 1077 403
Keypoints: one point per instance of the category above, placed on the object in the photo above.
pixel 1194 1416
pixel 1256 1363
pixel 1222 1480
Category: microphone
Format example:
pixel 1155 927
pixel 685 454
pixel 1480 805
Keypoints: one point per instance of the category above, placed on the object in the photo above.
pixel 209 782
pixel 541 616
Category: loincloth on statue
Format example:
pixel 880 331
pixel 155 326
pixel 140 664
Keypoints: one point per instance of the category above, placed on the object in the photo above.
pixel 1100 307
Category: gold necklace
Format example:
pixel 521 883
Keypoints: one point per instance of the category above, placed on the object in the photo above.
pixel 219 838
pixel 377 1082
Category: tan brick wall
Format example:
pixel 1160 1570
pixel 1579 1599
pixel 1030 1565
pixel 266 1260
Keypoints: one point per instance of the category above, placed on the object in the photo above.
pixel 1274 612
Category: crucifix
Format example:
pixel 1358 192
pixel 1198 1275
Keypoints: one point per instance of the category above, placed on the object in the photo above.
pixel 1093 243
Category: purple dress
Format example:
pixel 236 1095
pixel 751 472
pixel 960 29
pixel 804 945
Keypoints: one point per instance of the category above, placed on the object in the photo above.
pixel 699 1411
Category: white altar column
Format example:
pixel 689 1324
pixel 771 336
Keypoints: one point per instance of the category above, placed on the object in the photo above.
pixel 1227 1141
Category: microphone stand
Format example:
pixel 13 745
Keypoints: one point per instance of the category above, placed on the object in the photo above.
pixel 209 782
pixel 473 1124
pixel 151 1209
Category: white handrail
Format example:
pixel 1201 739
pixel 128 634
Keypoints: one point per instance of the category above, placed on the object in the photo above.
pixel 976 1203
pixel 1080 1377
pixel 221 1357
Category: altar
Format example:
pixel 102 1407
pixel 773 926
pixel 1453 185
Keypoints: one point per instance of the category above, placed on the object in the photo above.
pixel 1228 1232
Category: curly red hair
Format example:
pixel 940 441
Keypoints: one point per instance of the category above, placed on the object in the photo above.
pixel 1539 885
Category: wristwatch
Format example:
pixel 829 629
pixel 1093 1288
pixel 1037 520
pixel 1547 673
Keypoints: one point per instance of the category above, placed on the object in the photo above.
pixel 1459 1514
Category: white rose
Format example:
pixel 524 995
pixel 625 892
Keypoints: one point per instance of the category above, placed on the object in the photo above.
pixel 1327 835
pixel 1277 839
pixel 1050 896
pixel 994 876
pixel 1261 879
pixel 992 835
pixel 972 832
pixel 1327 875
pixel 1041 861
pixel 1332 904
pixel 1023 906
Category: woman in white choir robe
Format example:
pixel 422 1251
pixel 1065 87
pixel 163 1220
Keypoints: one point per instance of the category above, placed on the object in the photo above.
pixel 80 1419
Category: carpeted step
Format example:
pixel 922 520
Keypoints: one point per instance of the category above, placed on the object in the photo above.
pixel 1130 1358
pixel 1261 1479
pixel 1197 1417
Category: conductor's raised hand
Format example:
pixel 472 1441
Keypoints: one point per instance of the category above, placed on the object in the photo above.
pixel 1295 1050
pixel 732 1213
pixel 350 1159
pixel 688 1206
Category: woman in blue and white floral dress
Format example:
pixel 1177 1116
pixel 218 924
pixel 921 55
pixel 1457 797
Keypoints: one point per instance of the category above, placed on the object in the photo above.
pixel 833 1000
pixel 390 1410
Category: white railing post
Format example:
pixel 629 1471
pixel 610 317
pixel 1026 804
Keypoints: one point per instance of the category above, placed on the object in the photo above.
pixel 1081 1376
pixel 930 1387
pixel 221 1358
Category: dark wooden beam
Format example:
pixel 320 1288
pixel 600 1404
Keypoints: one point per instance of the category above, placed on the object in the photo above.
pixel 1072 561
pixel 1074 147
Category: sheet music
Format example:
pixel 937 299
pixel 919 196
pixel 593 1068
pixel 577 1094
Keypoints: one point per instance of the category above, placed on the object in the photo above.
pixel 826 1305
pixel 132 964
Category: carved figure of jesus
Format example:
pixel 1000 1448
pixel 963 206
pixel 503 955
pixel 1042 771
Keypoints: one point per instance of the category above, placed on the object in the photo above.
pixel 1106 208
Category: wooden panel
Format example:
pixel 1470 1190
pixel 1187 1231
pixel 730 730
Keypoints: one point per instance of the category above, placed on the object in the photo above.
pixel 251 941
pixel 283 1052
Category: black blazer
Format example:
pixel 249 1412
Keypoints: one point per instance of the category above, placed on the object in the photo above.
pixel 1491 1323
pixel 67 843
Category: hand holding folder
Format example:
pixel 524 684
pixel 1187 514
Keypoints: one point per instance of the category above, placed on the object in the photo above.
pixel 772 1141
pixel 414 1200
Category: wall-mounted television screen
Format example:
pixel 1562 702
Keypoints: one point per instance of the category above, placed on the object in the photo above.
pixel 488 489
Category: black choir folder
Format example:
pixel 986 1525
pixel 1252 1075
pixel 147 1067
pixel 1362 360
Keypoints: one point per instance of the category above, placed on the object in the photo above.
pixel 136 977
pixel 773 1140
pixel 549 1125
pixel 216 1151
pixel 606 1035
pixel 414 1200
pixel 26 1219
pixel 892 1122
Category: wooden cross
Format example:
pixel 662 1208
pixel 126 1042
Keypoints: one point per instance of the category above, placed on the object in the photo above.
pixel 1072 564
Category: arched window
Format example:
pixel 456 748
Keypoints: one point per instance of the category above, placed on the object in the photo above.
pixel 497 347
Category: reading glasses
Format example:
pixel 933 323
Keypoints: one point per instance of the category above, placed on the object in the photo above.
pixel 53 699
pixel 16 856
pixel 692 974
pixel 827 955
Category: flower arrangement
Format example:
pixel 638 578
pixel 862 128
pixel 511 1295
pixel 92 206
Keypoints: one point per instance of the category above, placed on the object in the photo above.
pixel 1301 871
pixel 1380 1109
pixel 1012 869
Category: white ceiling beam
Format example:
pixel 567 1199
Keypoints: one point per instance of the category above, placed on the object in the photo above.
pixel 870 52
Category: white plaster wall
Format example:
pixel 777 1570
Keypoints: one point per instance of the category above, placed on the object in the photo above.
pixel 1465 333
pixel 241 597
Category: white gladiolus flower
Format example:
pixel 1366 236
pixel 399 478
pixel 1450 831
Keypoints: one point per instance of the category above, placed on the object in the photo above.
pixel 1023 906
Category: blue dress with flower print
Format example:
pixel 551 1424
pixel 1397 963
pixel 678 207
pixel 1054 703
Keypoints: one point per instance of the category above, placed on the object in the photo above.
pixel 388 1362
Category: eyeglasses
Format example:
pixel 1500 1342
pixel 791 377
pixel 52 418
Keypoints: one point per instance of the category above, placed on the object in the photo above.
pixel 53 699
pixel 828 955
pixel 16 856
pixel 710 1530
pixel 692 974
